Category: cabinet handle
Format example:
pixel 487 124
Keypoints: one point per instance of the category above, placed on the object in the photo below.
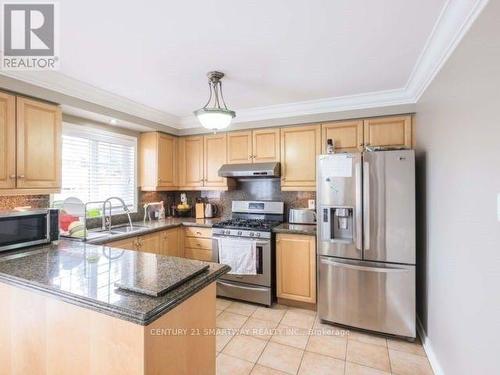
pixel 20 176
pixel 12 176
pixel 201 180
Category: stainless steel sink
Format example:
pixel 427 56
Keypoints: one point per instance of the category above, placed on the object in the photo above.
pixel 126 229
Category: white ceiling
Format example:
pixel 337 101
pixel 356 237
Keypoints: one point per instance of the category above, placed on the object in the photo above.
pixel 154 55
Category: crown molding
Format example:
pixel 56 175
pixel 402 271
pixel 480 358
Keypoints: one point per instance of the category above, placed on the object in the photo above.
pixel 452 24
pixel 60 83
pixel 314 107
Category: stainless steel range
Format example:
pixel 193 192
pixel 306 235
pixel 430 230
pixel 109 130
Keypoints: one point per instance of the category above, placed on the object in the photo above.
pixel 251 222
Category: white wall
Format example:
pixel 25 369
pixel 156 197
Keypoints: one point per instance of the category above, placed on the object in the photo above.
pixel 458 138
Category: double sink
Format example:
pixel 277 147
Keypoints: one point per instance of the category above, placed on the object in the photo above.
pixel 118 230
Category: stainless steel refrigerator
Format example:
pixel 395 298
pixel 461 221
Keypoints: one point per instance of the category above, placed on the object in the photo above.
pixel 366 240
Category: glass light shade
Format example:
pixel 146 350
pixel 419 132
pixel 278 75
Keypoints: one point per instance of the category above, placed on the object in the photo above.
pixel 215 119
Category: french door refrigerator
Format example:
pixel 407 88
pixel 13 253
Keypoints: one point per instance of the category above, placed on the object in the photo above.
pixel 366 240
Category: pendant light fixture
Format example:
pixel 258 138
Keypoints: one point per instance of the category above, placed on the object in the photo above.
pixel 214 115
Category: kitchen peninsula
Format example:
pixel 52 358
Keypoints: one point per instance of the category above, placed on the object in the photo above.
pixel 62 312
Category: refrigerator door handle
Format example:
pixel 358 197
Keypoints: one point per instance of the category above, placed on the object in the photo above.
pixel 359 214
pixel 363 268
pixel 366 204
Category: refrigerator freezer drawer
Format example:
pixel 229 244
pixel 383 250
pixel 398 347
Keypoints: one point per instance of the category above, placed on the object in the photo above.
pixel 374 296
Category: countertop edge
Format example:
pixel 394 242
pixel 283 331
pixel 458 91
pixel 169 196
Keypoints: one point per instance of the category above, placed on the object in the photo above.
pixel 120 313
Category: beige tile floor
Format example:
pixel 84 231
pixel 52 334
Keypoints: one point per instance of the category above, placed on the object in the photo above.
pixel 284 340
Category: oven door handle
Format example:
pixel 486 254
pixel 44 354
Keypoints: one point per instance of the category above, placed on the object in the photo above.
pixel 242 287
pixel 257 242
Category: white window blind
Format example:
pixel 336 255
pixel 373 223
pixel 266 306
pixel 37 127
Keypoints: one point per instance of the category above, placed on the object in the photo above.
pixel 97 165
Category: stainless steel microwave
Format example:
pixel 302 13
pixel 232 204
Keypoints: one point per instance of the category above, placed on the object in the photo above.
pixel 28 228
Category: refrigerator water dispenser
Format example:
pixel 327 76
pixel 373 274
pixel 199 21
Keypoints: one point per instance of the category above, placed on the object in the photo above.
pixel 338 223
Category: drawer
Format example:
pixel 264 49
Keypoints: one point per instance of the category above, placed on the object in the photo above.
pixel 198 232
pixel 198 243
pixel 198 254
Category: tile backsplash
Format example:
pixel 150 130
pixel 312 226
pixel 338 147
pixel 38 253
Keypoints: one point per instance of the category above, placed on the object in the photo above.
pixel 35 201
pixel 246 189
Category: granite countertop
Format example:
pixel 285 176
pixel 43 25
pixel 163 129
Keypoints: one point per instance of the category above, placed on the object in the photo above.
pixel 307 229
pixel 154 226
pixel 85 275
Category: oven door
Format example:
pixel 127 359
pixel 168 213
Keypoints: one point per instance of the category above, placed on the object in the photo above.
pixel 23 229
pixel 263 260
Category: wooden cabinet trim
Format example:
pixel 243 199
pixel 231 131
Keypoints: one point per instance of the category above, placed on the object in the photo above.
pixel 8 146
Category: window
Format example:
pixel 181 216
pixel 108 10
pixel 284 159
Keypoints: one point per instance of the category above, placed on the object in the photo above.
pixel 97 165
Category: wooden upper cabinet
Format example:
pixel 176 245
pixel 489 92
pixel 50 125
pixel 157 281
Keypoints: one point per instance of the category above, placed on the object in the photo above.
pixel 393 131
pixel 239 147
pixel 191 161
pixel 7 141
pixel 299 148
pixel 158 160
pixel 215 156
pixel 296 267
pixel 266 145
pixel 167 160
pixel 347 135
pixel 38 144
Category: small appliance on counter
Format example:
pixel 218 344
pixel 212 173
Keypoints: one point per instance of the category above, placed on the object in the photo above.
pixel 302 216
pixel 211 210
pixel 154 211
pixel 28 228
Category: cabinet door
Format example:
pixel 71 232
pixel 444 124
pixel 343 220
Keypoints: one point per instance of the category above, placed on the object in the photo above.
pixel 296 267
pixel 215 147
pixel 394 131
pixel 239 147
pixel 38 144
pixel 167 160
pixel 170 244
pixel 347 135
pixel 127 244
pixel 7 141
pixel 150 243
pixel 191 161
pixel 299 147
pixel 266 145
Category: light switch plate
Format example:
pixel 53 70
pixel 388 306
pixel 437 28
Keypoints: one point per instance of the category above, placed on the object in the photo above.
pixel 498 206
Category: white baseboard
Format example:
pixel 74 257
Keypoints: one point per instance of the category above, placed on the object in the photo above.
pixel 436 367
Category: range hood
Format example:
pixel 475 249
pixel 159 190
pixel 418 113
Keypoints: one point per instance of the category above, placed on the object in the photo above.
pixel 250 170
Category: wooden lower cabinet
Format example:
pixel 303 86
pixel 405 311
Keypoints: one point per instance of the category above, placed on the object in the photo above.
pixel 188 242
pixel 170 243
pixel 296 267
pixel 127 244
pixel 42 335
pixel 198 243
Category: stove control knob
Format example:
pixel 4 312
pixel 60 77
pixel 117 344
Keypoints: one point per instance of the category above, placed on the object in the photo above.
pixel 252 234
pixel 240 233
pixel 258 234
pixel 227 232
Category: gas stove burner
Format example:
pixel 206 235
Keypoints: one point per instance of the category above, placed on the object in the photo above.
pixel 254 224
